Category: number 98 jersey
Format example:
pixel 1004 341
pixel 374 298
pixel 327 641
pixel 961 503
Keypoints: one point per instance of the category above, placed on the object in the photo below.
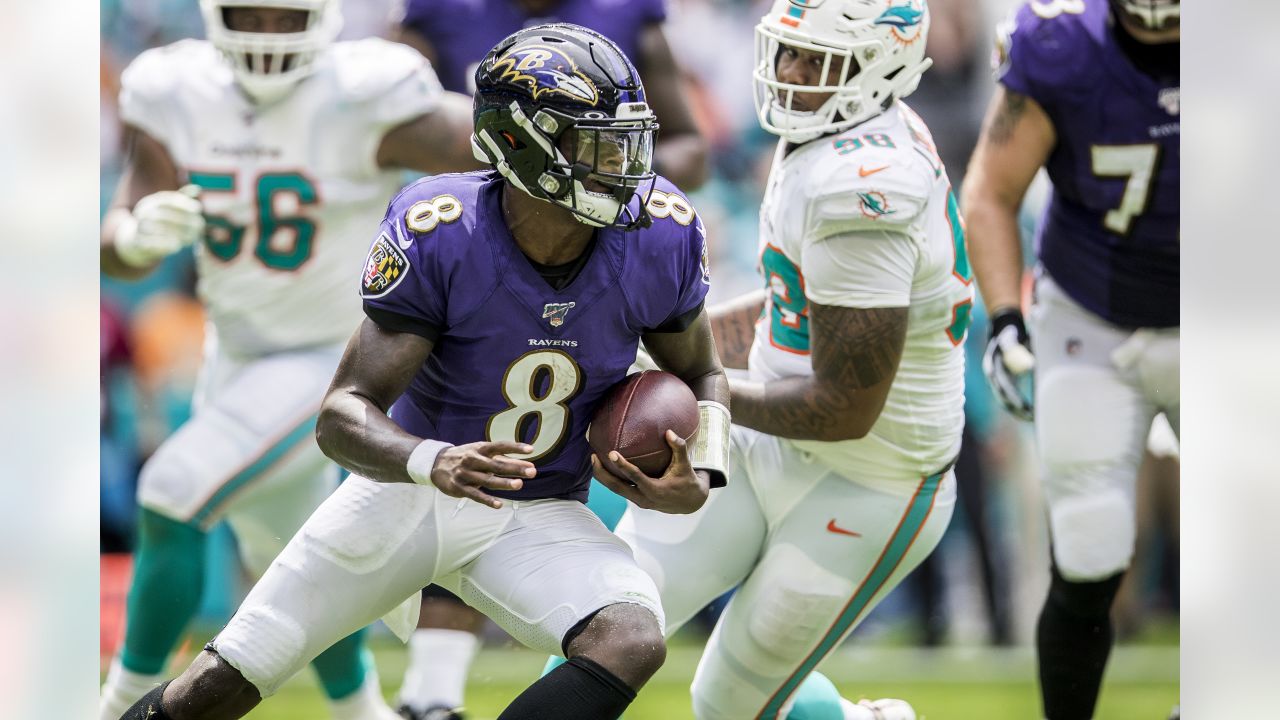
pixel 514 358
pixel 1109 236
pixel 289 189
pixel 866 218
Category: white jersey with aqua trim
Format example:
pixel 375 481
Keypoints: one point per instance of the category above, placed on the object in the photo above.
pixel 866 218
pixel 292 191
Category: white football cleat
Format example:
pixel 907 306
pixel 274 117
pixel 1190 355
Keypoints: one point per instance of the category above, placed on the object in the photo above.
pixel 882 709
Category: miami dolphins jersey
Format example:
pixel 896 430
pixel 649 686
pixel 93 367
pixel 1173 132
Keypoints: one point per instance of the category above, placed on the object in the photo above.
pixel 515 358
pixel 290 190
pixel 463 31
pixel 863 219
pixel 1109 235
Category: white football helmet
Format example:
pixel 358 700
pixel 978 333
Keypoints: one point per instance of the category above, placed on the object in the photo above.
pixel 877 46
pixel 267 64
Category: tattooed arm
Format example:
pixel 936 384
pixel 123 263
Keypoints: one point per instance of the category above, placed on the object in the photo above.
pixel 1017 138
pixel 855 354
pixel 733 323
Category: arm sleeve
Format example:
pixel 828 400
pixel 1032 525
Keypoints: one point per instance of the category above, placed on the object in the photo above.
pixel 865 269
pixel 400 288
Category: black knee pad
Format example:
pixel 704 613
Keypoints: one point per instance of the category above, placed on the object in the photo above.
pixel 1087 599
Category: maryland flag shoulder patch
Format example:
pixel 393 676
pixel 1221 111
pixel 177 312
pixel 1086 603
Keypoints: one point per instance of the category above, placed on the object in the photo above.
pixel 384 268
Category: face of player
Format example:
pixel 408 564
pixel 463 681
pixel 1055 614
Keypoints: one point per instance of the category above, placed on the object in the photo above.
pixel 798 66
pixel 603 158
pixel 265 20
pixel 1154 22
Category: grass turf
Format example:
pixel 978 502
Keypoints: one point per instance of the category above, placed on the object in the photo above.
pixel 947 684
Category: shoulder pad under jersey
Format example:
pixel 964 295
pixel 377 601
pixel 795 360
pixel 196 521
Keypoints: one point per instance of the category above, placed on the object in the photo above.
pixel 873 189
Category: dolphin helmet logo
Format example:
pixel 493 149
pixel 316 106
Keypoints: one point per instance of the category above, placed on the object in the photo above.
pixel 546 71
pixel 904 21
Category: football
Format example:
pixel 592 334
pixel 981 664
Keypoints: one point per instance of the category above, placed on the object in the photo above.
pixel 634 416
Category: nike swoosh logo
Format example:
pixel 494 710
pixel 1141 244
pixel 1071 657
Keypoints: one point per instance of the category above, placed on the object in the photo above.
pixel 863 171
pixel 832 527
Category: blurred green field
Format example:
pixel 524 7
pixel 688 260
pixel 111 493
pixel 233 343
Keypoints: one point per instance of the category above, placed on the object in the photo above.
pixel 946 684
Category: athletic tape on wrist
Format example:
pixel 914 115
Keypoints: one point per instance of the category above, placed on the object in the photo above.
pixel 710 450
pixel 423 459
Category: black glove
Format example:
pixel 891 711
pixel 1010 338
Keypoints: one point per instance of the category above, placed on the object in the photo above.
pixel 1008 358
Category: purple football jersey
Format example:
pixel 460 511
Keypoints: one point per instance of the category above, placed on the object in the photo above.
pixel 514 358
pixel 463 31
pixel 1110 234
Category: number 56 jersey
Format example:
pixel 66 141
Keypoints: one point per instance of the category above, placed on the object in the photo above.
pixel 514 358
pixel 866 219
pixel 289 189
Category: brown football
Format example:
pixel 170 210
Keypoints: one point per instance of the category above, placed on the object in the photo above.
pixel 635 415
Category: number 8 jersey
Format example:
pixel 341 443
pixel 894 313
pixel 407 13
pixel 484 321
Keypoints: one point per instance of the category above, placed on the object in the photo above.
pixel 289 189
pixel 1109 236
pixel 515 358
pixel 866 218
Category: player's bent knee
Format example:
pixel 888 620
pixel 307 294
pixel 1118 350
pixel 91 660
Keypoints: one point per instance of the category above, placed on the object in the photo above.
pixel 626 639
pixel 265 647
pixel 1093 534
pixel 1084 599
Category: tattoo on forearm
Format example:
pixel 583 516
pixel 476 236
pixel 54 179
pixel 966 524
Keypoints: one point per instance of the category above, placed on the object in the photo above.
pixel 734 334
pixel 853 350
pixel 1006 118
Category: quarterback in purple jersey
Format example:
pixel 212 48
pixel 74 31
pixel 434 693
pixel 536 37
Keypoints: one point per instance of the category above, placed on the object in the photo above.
pixel 500 306
pixel 456 34
pixel 1089 90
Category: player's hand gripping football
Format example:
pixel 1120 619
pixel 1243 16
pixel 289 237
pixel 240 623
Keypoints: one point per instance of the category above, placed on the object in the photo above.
pixel 1007 362
pixel 162 223
pixel 680 490
pixel 465 471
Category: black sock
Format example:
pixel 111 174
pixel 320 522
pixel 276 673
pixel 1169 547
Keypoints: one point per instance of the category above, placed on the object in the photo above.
pixel 148 707
pixel 1073 640
pixel 580 689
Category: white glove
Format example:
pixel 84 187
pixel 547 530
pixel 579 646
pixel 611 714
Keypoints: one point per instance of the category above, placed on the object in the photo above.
pixel 1007 361
pixel 161 224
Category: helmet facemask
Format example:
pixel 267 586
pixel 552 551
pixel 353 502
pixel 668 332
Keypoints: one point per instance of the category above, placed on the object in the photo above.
pixel 1149 15
pixel 591 165
pixel 268 65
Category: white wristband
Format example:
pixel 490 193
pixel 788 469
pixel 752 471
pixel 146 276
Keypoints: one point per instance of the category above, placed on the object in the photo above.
pixel 423 459
pixel 710 450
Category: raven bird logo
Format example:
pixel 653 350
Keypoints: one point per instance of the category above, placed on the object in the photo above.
pixel 905 21
pixel 546 70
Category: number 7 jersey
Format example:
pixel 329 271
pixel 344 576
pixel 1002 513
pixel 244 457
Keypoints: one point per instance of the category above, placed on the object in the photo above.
pixel 289 189
pixel 864 219
pixel 1109 236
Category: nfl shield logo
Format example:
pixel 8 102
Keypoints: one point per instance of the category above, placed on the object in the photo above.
pixel 1170 99
pixel 554 312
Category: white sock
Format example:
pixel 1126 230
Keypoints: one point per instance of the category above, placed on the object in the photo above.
pixel 122 689
pixel 438 664
pixel 365 703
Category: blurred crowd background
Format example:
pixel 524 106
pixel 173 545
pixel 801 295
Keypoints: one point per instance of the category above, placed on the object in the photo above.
pixel 986 581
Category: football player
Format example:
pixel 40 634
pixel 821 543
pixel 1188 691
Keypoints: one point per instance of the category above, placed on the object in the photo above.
pixel 272 149
pixel 1104 319
pixel 455 35
pixel 849 421
pixel 500 307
